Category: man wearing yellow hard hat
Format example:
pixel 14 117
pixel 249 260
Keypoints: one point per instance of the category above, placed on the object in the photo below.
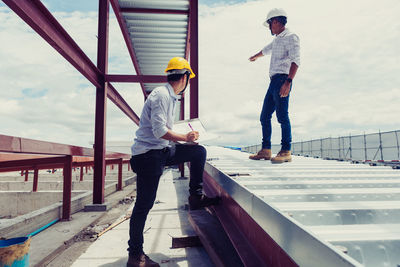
pixel 154 148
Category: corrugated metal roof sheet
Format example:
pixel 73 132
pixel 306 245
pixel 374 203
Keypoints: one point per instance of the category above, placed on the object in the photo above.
pixel 156 38
pixel 354 207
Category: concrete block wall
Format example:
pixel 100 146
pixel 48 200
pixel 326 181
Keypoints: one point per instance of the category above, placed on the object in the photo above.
pixel 27 223
pixel 15 203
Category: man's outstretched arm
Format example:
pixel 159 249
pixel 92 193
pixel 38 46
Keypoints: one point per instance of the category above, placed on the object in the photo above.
pixel 259 54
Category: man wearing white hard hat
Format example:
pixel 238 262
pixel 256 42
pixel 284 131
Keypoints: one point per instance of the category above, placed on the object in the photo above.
pixel 285 60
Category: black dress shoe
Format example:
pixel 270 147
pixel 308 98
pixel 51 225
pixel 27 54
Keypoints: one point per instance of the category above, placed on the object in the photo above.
pixel 197 202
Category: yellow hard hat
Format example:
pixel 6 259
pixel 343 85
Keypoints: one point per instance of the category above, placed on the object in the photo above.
pixel 179 65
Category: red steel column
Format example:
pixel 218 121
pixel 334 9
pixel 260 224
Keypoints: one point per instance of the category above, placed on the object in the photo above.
pixel 81 175
pixel 67 188
pixel 119 187
pixel 101 105
pixel 194 58
pixel 182 117
pixel 26 175
pixel 35 179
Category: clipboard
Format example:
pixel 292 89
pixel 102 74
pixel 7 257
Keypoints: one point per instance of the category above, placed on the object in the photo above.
pixel 185 126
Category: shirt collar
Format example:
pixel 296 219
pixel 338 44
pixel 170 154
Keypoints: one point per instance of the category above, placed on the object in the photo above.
pixel 284 33
pixel 171 91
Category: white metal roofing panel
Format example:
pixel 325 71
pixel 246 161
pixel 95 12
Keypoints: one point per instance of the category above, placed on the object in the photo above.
pixel 160 4
pixel 355 207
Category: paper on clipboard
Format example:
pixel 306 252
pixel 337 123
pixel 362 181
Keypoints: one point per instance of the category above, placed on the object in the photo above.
pixel 186 126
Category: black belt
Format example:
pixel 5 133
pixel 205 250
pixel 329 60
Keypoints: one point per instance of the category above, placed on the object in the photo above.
pixel 278 75
pixel 165 149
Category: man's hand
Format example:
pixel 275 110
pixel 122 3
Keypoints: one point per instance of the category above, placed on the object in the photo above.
pixel 192 136
pixel 253 58
pixel 285 89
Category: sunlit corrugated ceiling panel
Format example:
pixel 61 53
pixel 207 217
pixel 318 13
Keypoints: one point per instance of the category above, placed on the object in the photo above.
pixel 156 38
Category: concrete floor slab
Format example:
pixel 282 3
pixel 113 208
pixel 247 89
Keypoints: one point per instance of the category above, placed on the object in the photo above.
pixel 166 219
pixel 48 244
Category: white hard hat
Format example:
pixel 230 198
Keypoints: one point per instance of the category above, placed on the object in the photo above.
pixel 275 12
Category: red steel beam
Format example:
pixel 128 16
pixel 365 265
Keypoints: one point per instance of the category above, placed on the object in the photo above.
pixel 101 104
pixel 13 144
pixel 194 58
pixel 127 38
pixel 153 11
pixel 36 15
pixel 22 145
pixel 29 163
pixel 32 167
pixel 120 78
pixel 116 98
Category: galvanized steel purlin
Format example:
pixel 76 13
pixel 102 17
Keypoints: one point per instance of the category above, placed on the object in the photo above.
pixel 124 29
pixel 154 11
pixel 35 14
pixel 157 31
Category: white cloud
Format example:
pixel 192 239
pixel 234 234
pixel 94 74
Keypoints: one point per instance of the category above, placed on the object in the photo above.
pixel 348 81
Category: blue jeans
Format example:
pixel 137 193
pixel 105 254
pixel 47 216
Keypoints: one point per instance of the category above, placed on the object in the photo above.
pixel 149 167
pixel 273 102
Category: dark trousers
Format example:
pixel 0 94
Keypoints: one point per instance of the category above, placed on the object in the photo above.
pixel 273 102
pixel 149 167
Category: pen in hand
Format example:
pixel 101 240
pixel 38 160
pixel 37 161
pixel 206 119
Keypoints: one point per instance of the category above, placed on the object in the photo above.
pixel 196 134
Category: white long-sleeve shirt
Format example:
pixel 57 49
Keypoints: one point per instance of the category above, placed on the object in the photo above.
pixel 157 117
pixel 284 50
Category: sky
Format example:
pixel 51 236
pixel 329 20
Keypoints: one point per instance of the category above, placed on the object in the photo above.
pixel 348 81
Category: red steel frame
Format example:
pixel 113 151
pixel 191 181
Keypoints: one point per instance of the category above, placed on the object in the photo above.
pixel 36 15
pixel 58 156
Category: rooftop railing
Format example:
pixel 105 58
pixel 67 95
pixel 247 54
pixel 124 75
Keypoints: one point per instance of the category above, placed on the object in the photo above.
pixel 375 148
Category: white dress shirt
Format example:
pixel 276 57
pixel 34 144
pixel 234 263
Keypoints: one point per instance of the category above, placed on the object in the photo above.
pixel 284 49
pixel 157 117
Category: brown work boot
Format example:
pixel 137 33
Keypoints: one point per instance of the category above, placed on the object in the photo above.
pixel 262 154
pixel 142 260
pixel 197 202
pixel 282 156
